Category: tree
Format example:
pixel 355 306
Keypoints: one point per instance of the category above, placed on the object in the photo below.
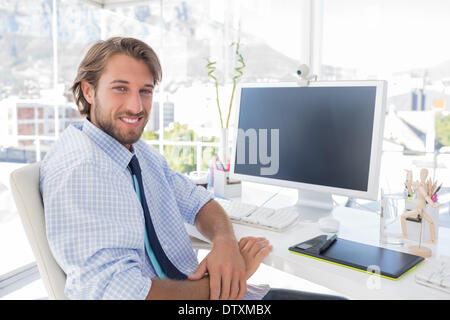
pixel 150 135
pixel 443 129
pixel 180 158
pixel 183 158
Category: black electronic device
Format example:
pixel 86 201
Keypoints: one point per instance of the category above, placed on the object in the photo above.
pixel 362 257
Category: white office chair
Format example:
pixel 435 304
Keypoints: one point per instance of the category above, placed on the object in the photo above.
pixel 26 193
pixel 25 189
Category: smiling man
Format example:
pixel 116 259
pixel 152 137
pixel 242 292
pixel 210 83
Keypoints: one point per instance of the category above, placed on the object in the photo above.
pixel 115 211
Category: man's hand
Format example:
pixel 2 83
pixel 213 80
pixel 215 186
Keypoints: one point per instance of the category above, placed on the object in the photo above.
pixel 226 269
pixel 254 250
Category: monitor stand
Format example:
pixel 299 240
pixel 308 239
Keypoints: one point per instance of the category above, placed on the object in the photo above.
pixel 312 205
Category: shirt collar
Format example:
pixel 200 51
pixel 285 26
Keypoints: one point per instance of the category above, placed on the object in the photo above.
pixel 116 151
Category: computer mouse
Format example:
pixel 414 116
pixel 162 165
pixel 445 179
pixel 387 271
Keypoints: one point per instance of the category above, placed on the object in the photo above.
pixel 329 225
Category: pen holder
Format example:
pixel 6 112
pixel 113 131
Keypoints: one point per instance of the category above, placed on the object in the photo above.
pixel 224 187
pixel 410 204
pixel 413 227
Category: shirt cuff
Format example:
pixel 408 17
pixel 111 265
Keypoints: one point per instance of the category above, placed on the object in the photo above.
pixel 256 292
pixel 204 196
pixel 128 286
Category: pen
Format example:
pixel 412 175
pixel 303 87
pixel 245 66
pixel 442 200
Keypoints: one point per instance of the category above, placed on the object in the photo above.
pixel 219 164
pixel 437 190
pixel 434 197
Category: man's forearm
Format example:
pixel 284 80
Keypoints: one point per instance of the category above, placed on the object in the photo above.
pixel 212 221
pixel 224 263
pixel 163 289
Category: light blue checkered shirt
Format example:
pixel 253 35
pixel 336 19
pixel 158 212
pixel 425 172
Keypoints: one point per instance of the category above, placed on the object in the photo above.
pixel 95 222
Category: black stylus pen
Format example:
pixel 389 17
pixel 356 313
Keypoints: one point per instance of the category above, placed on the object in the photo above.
pixel 328 243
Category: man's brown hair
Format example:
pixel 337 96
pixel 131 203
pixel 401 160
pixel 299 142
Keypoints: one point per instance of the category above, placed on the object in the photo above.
pixel 96 58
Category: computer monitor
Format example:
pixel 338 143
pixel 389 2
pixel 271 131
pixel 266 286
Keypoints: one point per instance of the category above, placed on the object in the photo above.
pixel 322 139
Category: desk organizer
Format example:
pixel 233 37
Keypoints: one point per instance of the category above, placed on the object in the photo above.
pixel 224 187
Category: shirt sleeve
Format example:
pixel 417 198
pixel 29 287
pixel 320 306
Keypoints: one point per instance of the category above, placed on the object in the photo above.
pixel 190 197
pixel 91 237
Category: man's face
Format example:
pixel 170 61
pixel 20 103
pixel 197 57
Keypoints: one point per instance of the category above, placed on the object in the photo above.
pixel 121 104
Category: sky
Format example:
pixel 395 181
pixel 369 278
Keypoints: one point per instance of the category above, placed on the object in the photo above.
pixel 385 35
pixel 281 23
pixel 377 36
pixel 275 22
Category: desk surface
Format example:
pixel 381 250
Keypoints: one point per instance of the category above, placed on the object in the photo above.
pixel 356 225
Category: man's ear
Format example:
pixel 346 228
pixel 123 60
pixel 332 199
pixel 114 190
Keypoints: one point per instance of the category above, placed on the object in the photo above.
pixel 88 91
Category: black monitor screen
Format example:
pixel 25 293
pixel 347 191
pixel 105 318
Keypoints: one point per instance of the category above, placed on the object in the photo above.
pixel 324 134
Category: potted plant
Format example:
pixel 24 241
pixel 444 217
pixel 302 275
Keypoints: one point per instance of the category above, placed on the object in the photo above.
pixel 224 129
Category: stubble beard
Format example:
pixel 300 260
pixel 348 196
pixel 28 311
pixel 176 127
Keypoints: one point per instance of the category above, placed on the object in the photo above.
pixel 105 124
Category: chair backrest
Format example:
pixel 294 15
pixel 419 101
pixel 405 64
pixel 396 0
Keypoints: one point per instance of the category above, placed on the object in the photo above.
pixel 26 193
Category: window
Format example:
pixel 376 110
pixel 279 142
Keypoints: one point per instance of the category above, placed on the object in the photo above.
pixel 43 42
pixel 402 42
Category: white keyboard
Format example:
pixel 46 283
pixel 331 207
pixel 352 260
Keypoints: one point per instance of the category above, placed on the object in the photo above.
pixel 435 274
pixel 258 217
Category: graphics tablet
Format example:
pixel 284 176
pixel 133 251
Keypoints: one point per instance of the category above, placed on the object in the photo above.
pixel 388 263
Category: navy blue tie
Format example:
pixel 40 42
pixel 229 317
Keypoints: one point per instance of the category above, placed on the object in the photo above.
pixel 168 268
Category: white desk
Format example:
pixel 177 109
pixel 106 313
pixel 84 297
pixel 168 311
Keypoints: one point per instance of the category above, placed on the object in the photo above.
pixel 356 225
